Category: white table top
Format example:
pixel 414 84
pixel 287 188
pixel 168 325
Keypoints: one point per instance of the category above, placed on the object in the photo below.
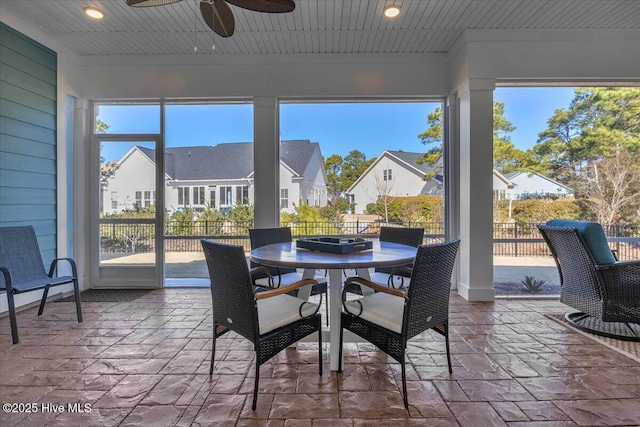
pixel 383 254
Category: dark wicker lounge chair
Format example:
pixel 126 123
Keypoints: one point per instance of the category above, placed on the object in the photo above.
pixel 271 320
pixel 23 271
pixel 603 290
pixel 390 317
pixel 281 276
pixel 393 277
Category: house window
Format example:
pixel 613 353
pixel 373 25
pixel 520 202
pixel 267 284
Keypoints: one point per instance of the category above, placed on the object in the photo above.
pixel 183 196
pixel 114 204
pixel 225 196
pixel 198 196
pixel 386 175
pixel 245 194
pixel 114 195
pixel 212 198
pixel 138 199
pixel 147 199
pixel 284 198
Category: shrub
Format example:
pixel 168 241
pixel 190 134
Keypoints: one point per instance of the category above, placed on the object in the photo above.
pixel 533 285
pixel 540 210
pixel 421 208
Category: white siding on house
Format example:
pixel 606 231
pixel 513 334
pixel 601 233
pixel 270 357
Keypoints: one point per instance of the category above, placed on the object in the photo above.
pixel 535 184
pixel 404 182
pixel 293 188
pixel 314 187
pixel 500 186
pixel 136 172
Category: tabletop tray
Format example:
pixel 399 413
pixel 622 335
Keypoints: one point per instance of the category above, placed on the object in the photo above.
pixel 334 245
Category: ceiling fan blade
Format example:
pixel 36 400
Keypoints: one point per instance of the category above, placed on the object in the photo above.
pixel 267 6
pixel 218 16
pixel 150 3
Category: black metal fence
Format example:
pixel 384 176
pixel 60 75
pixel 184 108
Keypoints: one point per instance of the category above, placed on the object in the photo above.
pixel 509 239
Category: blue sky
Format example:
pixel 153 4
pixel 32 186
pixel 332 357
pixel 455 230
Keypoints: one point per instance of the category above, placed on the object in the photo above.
pixel 339 127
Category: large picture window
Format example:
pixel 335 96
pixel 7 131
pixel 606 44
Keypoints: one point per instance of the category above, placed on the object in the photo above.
pixel 365 164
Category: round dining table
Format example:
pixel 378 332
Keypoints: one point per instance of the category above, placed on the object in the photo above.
pixel 382 254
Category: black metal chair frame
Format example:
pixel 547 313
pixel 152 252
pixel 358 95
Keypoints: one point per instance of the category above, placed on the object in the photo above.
pixel 601 293
pixel 426 306
pixel 266 236
pixel 235 308
pixel 23 271
pixel 410 236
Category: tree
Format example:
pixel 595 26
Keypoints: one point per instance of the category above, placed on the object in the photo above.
pixel 506 156
pixel 353 166
pixel 333 169
pixel 384 185
pixel 612 185
pixel 433 135
pixel 599 123
pixel 107 169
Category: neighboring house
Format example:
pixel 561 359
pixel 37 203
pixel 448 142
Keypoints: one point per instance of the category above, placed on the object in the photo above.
pixel 398 174
pixel 533 184
pixel 220 176
pixel 395 174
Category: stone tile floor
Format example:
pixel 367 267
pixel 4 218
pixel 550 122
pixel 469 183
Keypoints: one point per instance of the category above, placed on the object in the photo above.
pixel 145 363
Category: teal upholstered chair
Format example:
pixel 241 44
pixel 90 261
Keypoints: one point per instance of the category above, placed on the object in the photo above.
pixel 603 289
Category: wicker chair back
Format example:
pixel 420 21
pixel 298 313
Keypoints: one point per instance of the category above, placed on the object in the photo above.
pixel 428 295
pixel 231 288
pixel 267 236
pixel 410 236
pixel 579 286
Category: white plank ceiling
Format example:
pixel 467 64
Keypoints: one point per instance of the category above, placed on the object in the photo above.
pixel 316 26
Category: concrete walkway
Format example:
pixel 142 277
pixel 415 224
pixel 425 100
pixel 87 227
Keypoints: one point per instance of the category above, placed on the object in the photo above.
pixel 182 265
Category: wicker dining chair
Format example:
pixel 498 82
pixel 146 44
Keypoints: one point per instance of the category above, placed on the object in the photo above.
pixel 393 277
pixel 282 276
pixel 592 281
pixel 271 320
pixel 390 317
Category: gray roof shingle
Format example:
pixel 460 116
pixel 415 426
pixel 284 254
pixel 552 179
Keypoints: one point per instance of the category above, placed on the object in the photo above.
pixel 228 160
pixel 412 159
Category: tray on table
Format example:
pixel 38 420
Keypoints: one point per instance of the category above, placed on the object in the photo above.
pixel 334 245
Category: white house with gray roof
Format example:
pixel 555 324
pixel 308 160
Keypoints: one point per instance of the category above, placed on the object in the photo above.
pixel 395 174
pixel 533 184
pixel 398 174
pixel 220 176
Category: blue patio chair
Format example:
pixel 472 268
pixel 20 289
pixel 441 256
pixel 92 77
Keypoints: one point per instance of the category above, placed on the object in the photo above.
pixel 23 271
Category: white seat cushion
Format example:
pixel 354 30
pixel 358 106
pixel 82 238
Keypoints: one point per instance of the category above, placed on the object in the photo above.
pixel 281 310
pixel 382 309
pixel 287 279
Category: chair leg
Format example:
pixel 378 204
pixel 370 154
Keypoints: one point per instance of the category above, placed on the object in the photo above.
pixel 446 340
pixel 320 347
pixel 255 387
pixel 404 383
pixel 44 299
pixel 326 305
pixel 76 291
pixel 12 318
pixel 213 349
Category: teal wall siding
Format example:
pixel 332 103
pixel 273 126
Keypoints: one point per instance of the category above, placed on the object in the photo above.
pixel 28 74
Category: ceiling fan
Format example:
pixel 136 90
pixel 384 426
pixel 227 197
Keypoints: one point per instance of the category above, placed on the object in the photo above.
pixel 217 13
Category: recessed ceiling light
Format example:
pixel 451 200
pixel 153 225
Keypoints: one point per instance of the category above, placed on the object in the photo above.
pixel 392 11
pixel 93 13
